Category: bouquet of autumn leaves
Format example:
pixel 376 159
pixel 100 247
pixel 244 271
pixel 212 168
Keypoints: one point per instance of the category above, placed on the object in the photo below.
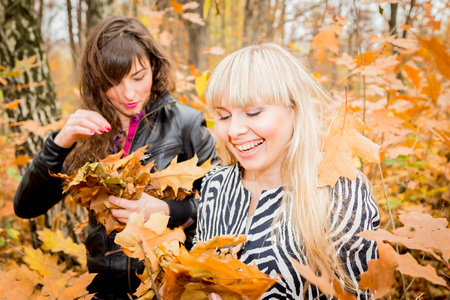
pixel 127 178
pixel 175 271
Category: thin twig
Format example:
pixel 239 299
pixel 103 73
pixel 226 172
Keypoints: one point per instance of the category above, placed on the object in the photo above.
pixel 149 271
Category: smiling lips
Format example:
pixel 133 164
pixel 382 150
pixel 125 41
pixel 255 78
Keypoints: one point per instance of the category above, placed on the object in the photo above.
pixel 247 147
pixel 130 105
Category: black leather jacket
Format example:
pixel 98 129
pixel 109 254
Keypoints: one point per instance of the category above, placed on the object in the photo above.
pixel 172 129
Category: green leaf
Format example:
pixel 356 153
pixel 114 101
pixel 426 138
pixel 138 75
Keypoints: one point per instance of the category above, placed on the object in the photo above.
pixel 380 10
pixel 13 173
pixel 13 233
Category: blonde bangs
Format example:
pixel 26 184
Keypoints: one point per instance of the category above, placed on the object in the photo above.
pixel 248 75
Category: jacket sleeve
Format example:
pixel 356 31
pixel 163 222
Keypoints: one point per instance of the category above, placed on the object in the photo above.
pixel 38 191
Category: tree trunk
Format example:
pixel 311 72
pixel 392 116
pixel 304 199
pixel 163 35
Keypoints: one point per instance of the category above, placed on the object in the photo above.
pixel 97 10
pixel 197 39
pixel 21 38
pixel 393 18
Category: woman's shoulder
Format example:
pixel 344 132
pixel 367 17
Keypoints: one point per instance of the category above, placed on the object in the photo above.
pixel 353 201
pixel 219 173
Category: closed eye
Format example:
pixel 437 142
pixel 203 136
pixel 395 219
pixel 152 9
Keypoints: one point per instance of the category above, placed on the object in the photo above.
pixel 254 114
pixel 221 118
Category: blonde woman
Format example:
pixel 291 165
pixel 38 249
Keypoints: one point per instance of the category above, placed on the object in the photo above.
pixel 268 131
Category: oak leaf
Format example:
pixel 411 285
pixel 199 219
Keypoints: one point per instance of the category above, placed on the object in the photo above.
pixel 343 142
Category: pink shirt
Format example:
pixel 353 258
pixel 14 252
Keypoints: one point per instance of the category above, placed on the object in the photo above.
pixel 134 121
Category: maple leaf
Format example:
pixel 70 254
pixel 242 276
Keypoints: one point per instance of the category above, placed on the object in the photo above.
pixel 379 277
pixel 15 284
pixel 44 263
pixel 326 38
pixel 189 277
pixel 75 288
pixel 55 242
pixel 150 234
pixel 342 143
pixel 181 175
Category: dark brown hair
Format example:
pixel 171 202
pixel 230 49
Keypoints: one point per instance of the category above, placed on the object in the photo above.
pixel 108 56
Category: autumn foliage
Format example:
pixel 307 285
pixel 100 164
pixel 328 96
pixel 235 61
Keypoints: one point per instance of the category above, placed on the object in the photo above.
pixel 392 85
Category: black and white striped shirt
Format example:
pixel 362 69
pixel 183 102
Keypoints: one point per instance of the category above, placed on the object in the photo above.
pixel 223 209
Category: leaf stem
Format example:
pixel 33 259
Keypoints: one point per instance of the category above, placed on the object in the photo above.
pixel 149 271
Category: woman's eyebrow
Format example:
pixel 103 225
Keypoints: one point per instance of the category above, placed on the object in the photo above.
pixel 137 72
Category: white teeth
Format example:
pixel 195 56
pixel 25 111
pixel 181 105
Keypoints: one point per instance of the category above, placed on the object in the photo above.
pixel 250 145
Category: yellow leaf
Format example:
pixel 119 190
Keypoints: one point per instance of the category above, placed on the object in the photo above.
pixel 200 82
pixel 44 263
pixel 55 242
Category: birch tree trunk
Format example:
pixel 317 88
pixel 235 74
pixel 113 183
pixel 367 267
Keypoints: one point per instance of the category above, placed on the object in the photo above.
pixel 20 39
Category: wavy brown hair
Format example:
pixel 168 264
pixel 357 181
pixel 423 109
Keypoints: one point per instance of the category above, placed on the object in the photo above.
pixel 107 58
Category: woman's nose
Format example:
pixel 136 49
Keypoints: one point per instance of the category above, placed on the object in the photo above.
pixel 237 127
pixel 128 92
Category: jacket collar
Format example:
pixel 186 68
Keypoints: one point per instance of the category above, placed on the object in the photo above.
pixel 163 100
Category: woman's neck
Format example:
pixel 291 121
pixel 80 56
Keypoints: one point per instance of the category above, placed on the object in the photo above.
pixel 267 180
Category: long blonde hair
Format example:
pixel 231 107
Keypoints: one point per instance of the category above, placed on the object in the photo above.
pixel 272 74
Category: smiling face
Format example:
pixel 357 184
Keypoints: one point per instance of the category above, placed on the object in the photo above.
pixel 131 94
pixel 257 135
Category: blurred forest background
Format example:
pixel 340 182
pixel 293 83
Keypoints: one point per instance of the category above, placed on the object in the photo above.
pixel 388 59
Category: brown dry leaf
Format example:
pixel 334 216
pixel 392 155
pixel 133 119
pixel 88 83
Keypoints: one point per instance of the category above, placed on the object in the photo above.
pixel 343 142
pixel 379 278
pixel 441 136
pixel 192 278
pixel 216 242
pixel 181 175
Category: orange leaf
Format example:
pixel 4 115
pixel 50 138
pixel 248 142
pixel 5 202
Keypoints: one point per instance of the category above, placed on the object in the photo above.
pixel 176 6
pixel 440 55
pixel 413 74
pixel 343 142
pixel 22 160
pixel 379 277
pixel 13 104
pixel 13 286
pixel 326 38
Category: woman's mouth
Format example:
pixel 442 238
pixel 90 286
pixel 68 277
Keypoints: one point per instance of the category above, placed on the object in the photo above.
pixel 130 105
pixel 248 147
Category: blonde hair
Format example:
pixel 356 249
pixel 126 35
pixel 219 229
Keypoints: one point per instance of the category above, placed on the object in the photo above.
pixel 272 74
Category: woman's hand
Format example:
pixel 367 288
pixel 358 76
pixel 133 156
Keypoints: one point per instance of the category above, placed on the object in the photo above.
pixel 80 125
pixel 148 203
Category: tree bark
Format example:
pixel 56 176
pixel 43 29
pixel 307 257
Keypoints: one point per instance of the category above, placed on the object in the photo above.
pixel 21 38
pixel 97 10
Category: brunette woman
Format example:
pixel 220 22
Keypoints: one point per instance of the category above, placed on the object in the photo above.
pixel 125 84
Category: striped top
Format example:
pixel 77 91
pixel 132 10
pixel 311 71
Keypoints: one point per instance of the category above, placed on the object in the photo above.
pixel 223 209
